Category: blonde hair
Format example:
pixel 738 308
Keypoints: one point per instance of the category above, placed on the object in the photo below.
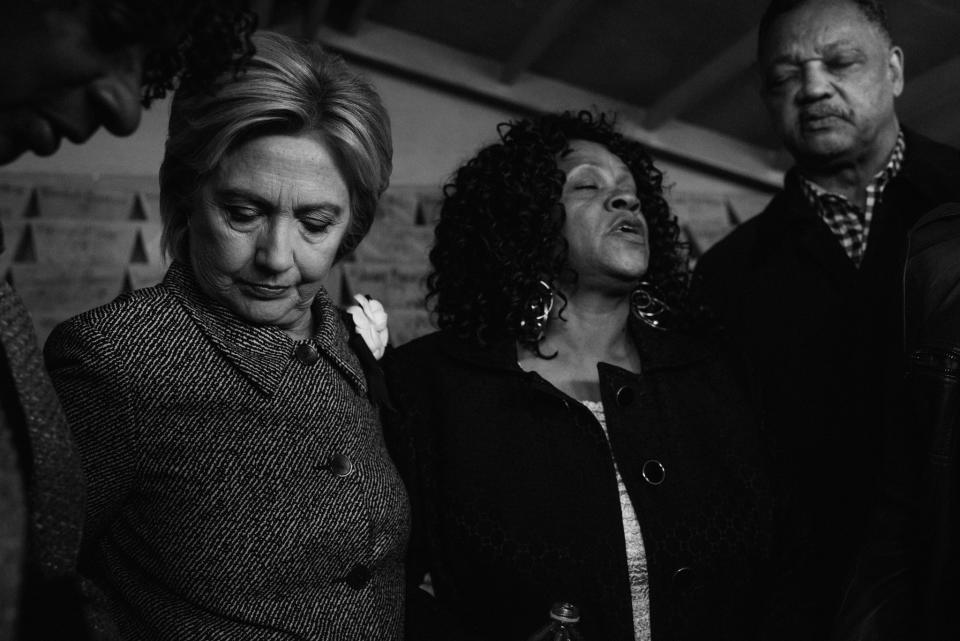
pixel 288 87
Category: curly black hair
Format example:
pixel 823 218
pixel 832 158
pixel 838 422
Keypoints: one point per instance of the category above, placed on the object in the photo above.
pixel 188 41
pixel 501 222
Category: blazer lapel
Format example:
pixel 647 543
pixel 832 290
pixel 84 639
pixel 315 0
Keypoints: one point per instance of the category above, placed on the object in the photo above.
pixel 333 340
pixel 263 354
pixel 254 351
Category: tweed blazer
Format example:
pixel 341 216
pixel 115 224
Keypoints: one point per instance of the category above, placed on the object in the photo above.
pixel 238 483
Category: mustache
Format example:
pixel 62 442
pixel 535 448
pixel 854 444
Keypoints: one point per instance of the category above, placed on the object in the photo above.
pixel 815 112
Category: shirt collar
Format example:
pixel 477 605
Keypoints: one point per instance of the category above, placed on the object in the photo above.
pixel 262 353
pixel 814 193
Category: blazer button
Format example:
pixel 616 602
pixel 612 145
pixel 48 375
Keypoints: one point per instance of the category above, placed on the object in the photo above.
pixel 306 354
pixel 340 465
pixel 653 472
pixel 625 396
pixel 683 578
pixel 358 577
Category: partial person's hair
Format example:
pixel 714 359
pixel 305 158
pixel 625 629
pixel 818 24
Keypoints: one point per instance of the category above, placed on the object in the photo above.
pixel 188 42
pixel 872 10
pixel 501 226
pixel 291 88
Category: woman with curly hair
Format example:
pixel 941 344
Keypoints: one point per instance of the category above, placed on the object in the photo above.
pixel 569 434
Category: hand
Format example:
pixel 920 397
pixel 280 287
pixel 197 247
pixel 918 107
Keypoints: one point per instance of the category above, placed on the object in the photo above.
pixel 371 321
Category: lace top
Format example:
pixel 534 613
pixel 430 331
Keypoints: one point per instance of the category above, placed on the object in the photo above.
pixel 636 556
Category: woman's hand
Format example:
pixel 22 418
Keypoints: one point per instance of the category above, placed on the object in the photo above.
pixel 371 321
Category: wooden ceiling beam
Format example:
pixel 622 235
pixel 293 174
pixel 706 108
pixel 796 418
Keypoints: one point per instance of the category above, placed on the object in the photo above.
pixel 705 82
pixel 356 16
pixel 932 94
pixel 264 11
pixel 314 14
pixel 419 60
pixel 551 26
pixel 946 127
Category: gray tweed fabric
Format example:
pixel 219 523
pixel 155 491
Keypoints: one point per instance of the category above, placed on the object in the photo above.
pixel 41 487
pixel 238 487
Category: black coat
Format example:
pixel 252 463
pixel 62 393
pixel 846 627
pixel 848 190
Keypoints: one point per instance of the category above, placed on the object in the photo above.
pixel 908 572
pixel 515 498
pixel 826 339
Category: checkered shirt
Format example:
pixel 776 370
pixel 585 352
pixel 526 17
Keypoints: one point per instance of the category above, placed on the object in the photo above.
pixel 849 223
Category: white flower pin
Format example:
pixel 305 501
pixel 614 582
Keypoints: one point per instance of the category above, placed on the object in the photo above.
pixel 371 321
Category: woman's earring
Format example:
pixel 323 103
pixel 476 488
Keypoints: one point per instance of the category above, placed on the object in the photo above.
pixel 648 308
pixel 536 312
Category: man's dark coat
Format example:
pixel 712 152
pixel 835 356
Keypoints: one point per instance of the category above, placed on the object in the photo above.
pixel 825 337
pixel 908 571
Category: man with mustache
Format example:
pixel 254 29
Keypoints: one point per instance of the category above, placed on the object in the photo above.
pixel 810 287
pixel 67 68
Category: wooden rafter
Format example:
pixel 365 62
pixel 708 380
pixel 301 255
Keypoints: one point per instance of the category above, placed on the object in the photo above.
pixel 356 16
pixel 264 11
pixel 551 26
pixel 932 95
pixel 945 127
pixel 313 15
pixel 423 61
pixel 720 71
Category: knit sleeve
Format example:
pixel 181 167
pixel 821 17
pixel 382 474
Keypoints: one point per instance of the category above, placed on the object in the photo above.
pixel 91 376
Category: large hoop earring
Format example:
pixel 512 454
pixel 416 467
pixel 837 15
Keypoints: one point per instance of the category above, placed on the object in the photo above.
pixel 536 312
pixel 648 308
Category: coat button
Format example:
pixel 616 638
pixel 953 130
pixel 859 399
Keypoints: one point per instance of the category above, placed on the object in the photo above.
pixel 653 472
pixel 358 577
pixel 625 396
pixel 683 577
pixel 306 353
pixel 340 465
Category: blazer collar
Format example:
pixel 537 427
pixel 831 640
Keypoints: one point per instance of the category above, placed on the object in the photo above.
pixel 263 353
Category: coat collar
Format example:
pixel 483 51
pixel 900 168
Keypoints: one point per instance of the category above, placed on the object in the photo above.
pixel 669 349
pixel 263 353
pixel 659 349
pixel 931 297
pixel 802 226
pixel 928 172
pixel 921 183
pixel 929 169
